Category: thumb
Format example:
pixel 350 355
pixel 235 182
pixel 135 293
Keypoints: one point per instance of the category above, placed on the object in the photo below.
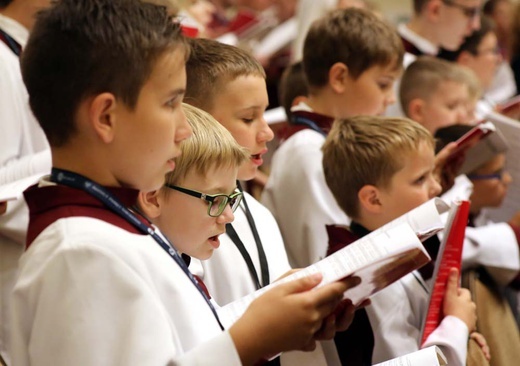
pixel 302 284
pixel 452 285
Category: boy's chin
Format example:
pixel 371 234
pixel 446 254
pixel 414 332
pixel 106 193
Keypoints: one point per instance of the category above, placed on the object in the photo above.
pixel 247 172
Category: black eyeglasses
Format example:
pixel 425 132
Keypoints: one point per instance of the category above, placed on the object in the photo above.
pixel 469 11
pixel 217 202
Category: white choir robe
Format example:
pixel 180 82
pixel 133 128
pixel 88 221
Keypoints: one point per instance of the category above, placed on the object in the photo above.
pixel 91 293
pixel 24 151
pixel 227 276
pixel 299 198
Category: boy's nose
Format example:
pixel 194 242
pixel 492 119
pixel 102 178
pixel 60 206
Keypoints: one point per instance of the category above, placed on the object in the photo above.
pixel 183 128
pixel 265 134
pixel 507 178
pixel 435 188
pixel 391 99
pixel 227 216
pixel 462 115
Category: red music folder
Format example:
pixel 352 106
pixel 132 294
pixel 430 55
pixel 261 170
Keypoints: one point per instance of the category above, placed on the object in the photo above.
pixel 450 256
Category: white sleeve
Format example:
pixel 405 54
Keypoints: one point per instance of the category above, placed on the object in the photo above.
pixel 495 247
pixel 39 163
pixel 89 307
pixel 451 336
pixel 396 314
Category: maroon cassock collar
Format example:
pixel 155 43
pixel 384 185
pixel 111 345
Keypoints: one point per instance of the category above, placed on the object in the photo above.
pixel 324 122
pixel 51 203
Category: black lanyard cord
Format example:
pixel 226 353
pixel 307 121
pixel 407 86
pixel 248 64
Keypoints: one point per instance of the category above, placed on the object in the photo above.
pixel 77 181
pixel 264 267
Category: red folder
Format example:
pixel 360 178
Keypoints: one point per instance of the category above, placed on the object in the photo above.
pixel 450 256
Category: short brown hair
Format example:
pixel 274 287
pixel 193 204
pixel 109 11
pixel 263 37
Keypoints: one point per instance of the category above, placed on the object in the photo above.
pixel 422 79
pixel 366 150
pixel 292 84
pixel 81 48
pixel 418 5
pixel 210 146
pixel 213 64
pixel 355 37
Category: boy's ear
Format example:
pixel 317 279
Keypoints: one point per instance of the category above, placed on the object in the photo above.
pixel 150 203
pixel 368 197
pixel 416 110
pixel 102 116
pixel 338 75
pixel 432 10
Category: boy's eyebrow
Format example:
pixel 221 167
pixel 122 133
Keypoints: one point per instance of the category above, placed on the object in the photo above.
pixel 178 91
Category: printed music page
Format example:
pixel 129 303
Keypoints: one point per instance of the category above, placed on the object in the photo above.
pixel 430 356
pixel 379 259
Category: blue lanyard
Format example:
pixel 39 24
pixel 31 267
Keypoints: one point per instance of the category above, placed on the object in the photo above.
pixel 77 181
pixel 299 120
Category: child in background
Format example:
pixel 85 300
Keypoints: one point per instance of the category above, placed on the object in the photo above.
pixel 388 166
pixel 345 78
pixel 93 265
pixel 495 321
pixel 292 88
pixel 435 93
pixel 217 76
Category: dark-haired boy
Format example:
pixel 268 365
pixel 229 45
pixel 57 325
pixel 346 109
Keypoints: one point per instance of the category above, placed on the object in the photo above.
pixel 98 285
pixel 345 78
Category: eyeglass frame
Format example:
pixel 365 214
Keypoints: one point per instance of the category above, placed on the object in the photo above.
pixel 470 12
pixel 498 175
pixel 210 198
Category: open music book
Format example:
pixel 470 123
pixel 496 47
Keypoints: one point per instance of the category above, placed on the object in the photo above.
pixel 510 108
pixel 510 128
pixel 430 356
pixel 449 256
pixel 479 145
pixel 379 259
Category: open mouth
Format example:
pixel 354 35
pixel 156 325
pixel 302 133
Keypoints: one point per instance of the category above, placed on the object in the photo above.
pixel 214 241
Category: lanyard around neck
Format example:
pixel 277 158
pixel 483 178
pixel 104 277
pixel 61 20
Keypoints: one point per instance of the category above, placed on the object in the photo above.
pixel 264 267
pixel 299 120
pixel 77 181
pixel 10 42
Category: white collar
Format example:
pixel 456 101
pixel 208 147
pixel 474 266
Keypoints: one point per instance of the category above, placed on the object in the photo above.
pixel 418 41
pixel 301 107
pixel 14 29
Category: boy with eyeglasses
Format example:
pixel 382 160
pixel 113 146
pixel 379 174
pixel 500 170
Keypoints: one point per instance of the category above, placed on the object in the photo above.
pixel 495 320
pixel 436 24
pixel 439 23
pixel 200 195
pixel 98 284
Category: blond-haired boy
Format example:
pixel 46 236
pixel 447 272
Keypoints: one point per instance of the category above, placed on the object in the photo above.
pixel 345 78
pixel 435 93
pixel 378 169
pixel 199 196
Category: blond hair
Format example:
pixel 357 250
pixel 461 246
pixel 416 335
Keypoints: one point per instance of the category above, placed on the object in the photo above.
pixel 367 150
pixel 422 79
pixel 211 66
pixel 210 146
